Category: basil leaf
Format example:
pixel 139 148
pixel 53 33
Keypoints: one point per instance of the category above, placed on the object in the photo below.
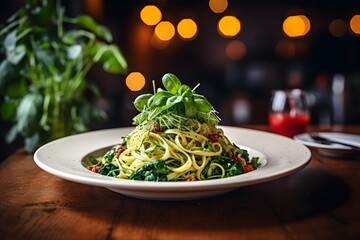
pixel 149 102
pixel 171 83
pixel 141 117
pixel 174 100
pixel 160 98
pixel 198 96
pixel 185 90
pixel 141 101
pixel 203 105
pixel 190 107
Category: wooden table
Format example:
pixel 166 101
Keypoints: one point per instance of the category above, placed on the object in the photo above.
pixel 322 201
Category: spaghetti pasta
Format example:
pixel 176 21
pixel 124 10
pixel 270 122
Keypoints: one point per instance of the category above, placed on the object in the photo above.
pixel 187 146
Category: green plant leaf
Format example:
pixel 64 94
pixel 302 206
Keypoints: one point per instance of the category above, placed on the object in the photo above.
pixel 88 116
pixel 184 90
pixel 114 60
pixel 10 41
pixel 11 135
pixel 8 110
pixel 88 23
pixel 190 107
pixel 100 52
pixel 161 98
pixel 8 72
pixel 31 142
pixel 171 82
pixel 17 55
pixel 203 105
pixel 42 13
pixel 95 90
pixel 16 88
pixel 73 52
pixel 45 56
pixel 71 36
pixel 141 101
pixel 113 66
pixel 174 100
pixel 28 114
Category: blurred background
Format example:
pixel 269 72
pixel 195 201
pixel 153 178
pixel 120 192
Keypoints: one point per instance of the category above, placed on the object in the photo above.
pixel 239 51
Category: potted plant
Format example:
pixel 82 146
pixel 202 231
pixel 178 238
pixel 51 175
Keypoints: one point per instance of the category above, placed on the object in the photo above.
pixel 45 58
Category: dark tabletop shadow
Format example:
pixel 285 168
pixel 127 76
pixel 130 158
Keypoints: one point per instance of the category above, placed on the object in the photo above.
pixel 301 195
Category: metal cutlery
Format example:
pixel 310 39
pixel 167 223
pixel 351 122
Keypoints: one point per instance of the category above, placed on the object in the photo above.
pixel 315 136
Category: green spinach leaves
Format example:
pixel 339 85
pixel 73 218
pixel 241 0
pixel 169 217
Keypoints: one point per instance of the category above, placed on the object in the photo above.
pixel 152 171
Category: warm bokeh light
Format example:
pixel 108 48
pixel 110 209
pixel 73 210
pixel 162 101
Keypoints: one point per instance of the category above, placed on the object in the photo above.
pixel 187 28
pixel 296 26
pixel 285 49
pixel 218 6
pixel 150 15
pixel 135 81
pixel 165 30
pixel 338 27
pixel 95 8
pixel 157 43
pixel 355 24
pixel 229 26
pixel 236 50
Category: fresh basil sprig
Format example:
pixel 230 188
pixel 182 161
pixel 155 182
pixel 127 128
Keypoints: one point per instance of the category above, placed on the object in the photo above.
pixel 177 100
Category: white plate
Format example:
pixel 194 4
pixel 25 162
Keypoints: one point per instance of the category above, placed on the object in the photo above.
pixel 66 158
pixel 331 150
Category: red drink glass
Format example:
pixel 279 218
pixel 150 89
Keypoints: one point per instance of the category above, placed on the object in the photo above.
pixel 288 114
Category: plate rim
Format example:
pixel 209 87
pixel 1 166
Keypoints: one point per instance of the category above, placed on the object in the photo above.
pixel 110 182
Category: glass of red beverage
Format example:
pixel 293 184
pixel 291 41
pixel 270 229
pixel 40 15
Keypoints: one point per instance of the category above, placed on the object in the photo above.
pixel 288 113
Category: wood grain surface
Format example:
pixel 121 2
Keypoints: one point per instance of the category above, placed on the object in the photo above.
pixel 322 201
